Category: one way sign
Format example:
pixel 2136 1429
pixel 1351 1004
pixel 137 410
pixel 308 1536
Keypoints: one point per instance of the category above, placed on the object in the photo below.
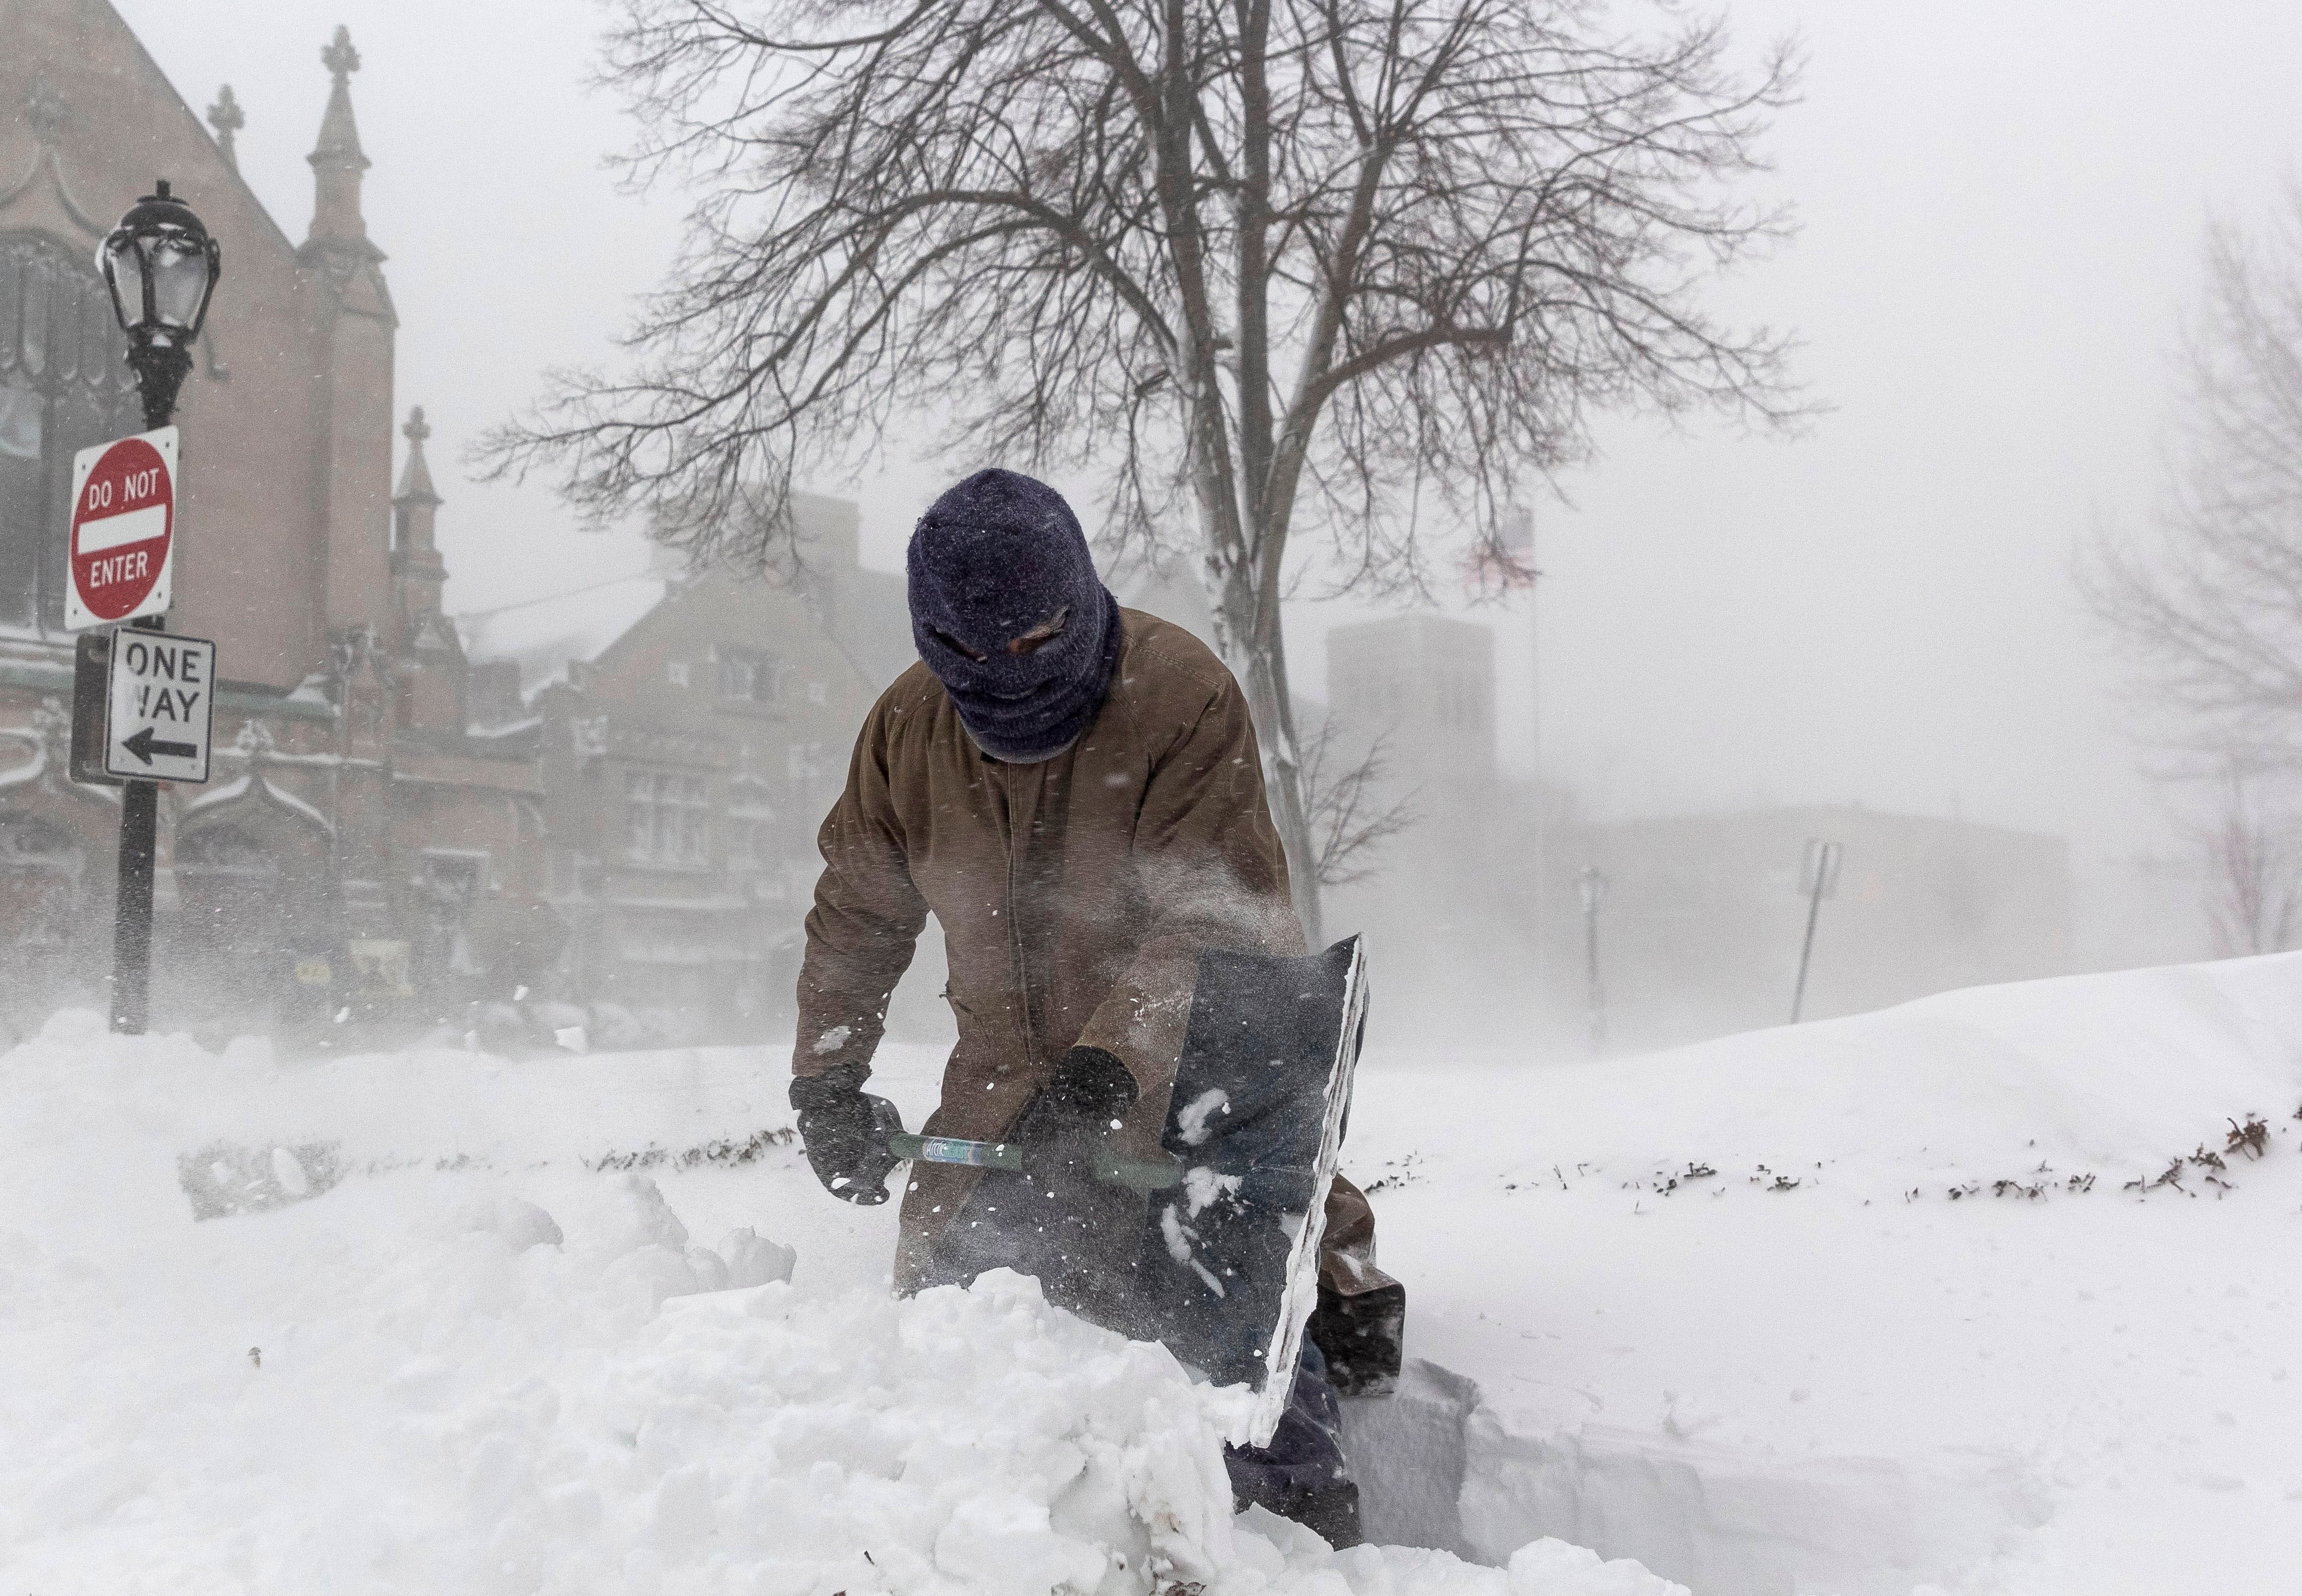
pixel 163 701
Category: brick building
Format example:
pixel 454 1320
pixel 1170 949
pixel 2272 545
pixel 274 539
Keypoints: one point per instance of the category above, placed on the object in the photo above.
pixel 692 729
pixel 357 829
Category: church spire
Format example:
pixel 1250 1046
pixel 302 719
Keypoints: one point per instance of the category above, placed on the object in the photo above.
pixel 415 553
pixel 338 161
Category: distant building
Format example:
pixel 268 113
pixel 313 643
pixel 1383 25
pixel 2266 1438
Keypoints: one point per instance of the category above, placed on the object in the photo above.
pixel 1425 684
pixel 1477 926
pixel 692 730
pixel 360 841
pixel 1450 939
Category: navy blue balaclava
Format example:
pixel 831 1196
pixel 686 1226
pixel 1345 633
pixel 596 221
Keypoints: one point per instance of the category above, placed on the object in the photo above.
pixel 1008 612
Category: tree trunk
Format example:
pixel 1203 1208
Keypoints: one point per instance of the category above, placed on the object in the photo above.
pixel 1258 656
pixel 1268 702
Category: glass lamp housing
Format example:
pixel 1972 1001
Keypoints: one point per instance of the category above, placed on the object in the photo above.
pixel 161 267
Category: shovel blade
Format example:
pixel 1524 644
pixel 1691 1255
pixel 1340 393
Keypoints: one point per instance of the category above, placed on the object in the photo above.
pixel 1231 1258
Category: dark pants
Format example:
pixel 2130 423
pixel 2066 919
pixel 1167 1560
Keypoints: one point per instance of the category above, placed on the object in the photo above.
pixel 1302 1474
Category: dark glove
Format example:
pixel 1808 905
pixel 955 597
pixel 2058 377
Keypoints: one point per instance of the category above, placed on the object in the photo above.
pixel 1078 1236
pixel 845 1131
pixel 1071 1118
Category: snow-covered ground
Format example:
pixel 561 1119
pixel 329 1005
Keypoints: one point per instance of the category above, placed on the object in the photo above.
pixel 498 1355
pixel 1811 1370
pixel 1933 1320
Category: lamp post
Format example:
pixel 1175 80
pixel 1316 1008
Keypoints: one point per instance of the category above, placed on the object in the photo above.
pixel 161 267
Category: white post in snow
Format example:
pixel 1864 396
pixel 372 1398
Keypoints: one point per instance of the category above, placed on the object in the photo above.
pixel 1594 893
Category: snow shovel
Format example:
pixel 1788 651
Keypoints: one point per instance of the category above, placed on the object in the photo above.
pixel 1228 1268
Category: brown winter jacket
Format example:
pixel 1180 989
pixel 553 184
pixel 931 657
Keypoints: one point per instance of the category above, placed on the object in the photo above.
pixel 1075 895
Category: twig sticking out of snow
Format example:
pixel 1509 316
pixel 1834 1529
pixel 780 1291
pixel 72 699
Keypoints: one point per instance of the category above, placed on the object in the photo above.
pixel 2172 1176
pixel 722 1150
pixel 1403 1174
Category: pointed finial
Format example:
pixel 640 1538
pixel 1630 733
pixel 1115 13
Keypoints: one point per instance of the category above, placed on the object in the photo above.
pixel 340 146
pixel 227 119
pixel 340 57
pixel 416 477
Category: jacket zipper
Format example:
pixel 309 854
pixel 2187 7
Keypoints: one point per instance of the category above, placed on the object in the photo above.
pixel 1015 920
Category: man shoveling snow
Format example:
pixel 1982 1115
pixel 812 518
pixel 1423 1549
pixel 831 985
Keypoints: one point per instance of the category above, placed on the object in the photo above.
pixel 1074 791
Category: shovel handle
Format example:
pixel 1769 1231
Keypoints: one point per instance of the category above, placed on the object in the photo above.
pixel 1133 1174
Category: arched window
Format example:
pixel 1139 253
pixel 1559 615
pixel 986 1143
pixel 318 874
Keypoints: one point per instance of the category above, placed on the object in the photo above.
pixel 64 387
pixel 225 852
pixel 751 821
pixel 230 920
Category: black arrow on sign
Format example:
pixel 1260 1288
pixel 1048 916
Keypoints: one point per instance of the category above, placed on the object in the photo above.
pixel 142 747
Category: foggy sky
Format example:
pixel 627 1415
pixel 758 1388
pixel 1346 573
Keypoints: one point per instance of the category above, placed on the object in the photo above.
pixel 2002 205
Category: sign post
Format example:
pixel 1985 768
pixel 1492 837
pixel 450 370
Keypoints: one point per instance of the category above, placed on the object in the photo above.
pixel 147 701
pixel 1818 879
pixel 160 264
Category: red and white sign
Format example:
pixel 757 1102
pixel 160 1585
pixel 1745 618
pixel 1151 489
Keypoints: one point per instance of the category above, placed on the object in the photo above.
pixel 123 530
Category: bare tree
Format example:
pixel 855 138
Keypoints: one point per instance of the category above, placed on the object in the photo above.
pixel 1337 263
pixel 1349 818
pixel 2210 608
pixel 2257 861
pixel 2209 605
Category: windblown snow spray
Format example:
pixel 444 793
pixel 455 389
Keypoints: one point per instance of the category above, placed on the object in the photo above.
pixel 1230 1258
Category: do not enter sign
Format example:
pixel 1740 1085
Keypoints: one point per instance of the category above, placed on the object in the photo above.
pixel 123 530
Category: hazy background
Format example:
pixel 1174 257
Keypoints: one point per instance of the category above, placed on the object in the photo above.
pixel 2002 209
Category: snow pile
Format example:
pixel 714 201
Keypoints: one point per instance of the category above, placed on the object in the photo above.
pixel 1718 1311
pixel 1987 1293
pixel 522 1374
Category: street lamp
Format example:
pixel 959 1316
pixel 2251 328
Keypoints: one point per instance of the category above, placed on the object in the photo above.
pixel 162 268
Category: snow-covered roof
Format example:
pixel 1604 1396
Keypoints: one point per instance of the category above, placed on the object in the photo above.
pixel 544 635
